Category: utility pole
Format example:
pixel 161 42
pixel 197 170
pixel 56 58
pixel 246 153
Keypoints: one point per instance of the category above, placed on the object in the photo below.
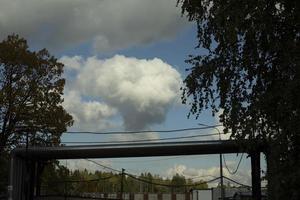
pixel 221 164
pixel 122 183
pixel 221 171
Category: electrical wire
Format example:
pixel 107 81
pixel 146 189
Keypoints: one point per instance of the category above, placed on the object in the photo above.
pixel 236 182
pixel 237 167
pixel 144 140
pixel 146 131
pixel 162 184
pixel 116 170
pixel 82 181
pixel 202 176
pixel 169 185
pixel 139 160
pixel 150 182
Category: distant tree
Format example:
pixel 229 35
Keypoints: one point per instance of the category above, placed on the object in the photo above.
pixel 31 89
pixel 251 73
pixel 178 180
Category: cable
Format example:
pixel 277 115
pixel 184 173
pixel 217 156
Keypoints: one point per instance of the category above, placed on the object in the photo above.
pixel 116 170
pixel 145 140
pixel 202 176
pixel 168 185
pixel 139 160
pixel 236 182
pixel 149 182
pixel 147 131
pixel 237 167
pixel 82 181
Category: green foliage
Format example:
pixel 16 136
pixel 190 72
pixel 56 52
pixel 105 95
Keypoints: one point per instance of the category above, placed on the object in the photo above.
pixel 252 73
pixel 57 180
pixel 178 180
pixel 31 91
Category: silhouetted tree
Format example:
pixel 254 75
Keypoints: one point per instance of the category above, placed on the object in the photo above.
pixel 31 89
pixel 251 73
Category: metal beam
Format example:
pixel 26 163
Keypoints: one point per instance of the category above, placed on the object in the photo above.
pixel 129 150
pixel 21 157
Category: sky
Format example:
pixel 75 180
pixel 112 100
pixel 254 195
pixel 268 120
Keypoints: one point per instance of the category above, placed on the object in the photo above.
pixel 124 67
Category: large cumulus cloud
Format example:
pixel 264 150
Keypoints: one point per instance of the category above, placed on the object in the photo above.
pixel 88 115
pixel 107 24
pixel 141 91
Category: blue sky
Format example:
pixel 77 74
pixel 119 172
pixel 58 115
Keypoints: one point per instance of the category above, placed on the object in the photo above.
pixel 124 65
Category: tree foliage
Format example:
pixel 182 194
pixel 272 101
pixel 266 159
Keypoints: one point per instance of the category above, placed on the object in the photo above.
pixel 252 73
pixel 31 91
pixel 59 180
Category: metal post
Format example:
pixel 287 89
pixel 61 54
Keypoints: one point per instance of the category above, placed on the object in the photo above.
pixel 255 172
pixel 122 183
pixel 221 178
pixel 12 186
pixel 221 164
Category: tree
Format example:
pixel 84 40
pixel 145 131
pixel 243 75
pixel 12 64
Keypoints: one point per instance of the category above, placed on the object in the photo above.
pixel 251 73
pixel 31 89
pixel 178 180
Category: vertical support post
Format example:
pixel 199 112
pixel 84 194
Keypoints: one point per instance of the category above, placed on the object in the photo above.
pixel 221 178
pixel 38 179
pixel 122 183
pixel 30 179
pixel 12 187
pixel 255 172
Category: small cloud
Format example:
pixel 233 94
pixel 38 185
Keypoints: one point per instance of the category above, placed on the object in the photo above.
pixel 196 174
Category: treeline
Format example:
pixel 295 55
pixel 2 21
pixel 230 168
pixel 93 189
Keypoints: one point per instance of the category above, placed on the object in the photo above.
pixel 57 179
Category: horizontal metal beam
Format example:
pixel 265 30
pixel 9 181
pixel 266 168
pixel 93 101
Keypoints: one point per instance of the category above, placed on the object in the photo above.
pixel 130 150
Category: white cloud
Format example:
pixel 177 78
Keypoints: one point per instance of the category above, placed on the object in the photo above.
pixel 141 91
pixel 109 25
pixel 88 114
pixel 243 175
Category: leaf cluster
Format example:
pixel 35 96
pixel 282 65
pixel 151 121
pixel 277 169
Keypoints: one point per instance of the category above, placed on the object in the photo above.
pixel 251 73
pixel 31 89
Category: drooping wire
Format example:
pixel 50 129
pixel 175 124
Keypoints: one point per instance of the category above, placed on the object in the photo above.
pixel 202 176
pixel 150 182
pixel 168 185
pixel 82 181
pixel 104 166
pixel 236 182
pixel 155 160
pixel 237 167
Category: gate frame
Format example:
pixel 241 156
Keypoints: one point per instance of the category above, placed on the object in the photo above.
pixel 26 162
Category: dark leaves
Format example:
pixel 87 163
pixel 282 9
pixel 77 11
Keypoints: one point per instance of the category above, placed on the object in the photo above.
pixel 30 90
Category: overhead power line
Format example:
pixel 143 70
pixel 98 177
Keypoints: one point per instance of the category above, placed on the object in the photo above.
pixel 237 167
pixel 104 166
pixel 236 182
pixel 151 182
pixel 170 185
pixel 145 131
pixel 82 181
